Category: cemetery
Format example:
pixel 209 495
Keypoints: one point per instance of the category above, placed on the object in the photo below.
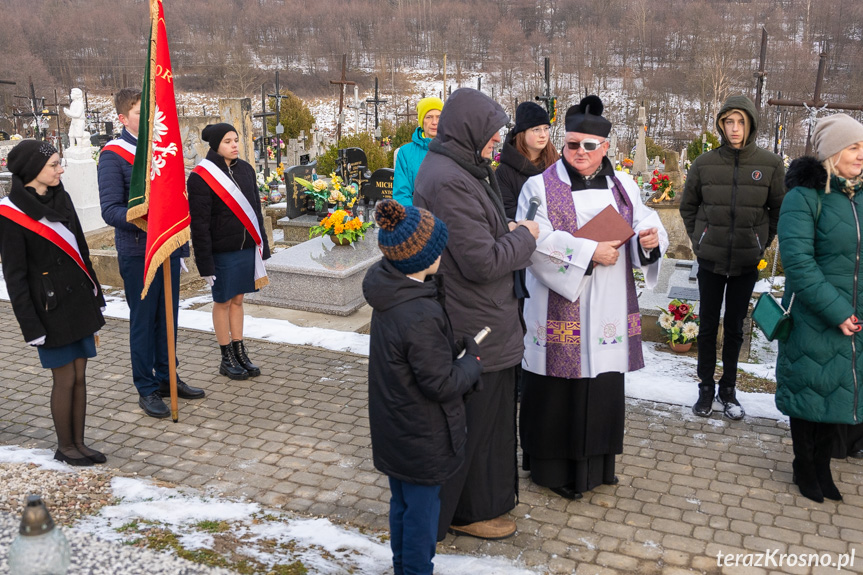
pixel 276 474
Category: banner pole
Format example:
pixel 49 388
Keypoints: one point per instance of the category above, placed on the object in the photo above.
pixel 169 325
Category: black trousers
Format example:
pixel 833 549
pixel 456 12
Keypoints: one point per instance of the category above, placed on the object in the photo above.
pixel 736 291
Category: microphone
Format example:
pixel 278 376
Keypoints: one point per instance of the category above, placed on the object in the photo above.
pixel 535 202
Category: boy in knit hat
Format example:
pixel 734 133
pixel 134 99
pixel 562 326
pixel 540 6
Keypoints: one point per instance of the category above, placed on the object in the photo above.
pixel 411 155
pixel 416 383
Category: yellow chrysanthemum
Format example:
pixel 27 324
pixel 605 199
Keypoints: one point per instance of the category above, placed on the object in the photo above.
pixel 339 228
pixel 762 264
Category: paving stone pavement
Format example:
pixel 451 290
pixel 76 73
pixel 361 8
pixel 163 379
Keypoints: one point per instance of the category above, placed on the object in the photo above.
pixel 297 438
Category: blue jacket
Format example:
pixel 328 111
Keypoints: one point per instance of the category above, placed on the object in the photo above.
pixel 115 173
pixel 408 161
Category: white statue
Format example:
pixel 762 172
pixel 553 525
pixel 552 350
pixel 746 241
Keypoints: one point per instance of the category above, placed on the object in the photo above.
pixel 75 112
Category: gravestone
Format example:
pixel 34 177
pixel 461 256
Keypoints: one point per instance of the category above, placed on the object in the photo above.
pixel 639 165
pixel 5 147
pixel 4 136
pixel 379 186
pixel 672 170
pixel 612 149
pixel 194 147
pixel 238 113
pixel 295 197
pixel 319 276
pixel 82 183
pixel 292 156
pixel 5 183
pixel 355 162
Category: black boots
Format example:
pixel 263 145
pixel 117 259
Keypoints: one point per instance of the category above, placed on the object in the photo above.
pixel 704 406
pixel 731 406
pixel 230 366
pixel 243 359
pixel 813 444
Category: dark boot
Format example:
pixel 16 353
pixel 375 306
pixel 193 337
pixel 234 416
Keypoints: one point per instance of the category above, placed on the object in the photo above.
pixel 803 442
pixel 731 407
pixel 243 358
pixel 825 435
pixel 230 366
pixel 704 405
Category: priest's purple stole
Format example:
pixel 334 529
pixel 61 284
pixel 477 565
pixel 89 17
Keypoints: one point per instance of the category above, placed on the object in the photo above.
pixel 563 324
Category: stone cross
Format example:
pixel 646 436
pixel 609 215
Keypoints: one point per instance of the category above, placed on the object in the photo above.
pixel 639 165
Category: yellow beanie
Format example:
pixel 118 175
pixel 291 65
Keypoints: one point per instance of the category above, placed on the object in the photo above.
pixel 425 105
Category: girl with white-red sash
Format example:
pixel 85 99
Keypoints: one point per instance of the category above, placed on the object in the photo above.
pixel 228 240
pixel 53 289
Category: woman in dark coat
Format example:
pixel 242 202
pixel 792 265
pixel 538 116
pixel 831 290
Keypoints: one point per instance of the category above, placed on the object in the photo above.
pixel 54 292
pixel 820 367
pixel 229 240
pixel 527 151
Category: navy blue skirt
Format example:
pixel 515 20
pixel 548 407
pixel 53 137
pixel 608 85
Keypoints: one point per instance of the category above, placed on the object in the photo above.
pixel 52 357
pixel 235 274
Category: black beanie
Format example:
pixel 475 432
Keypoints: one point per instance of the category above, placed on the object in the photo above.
pixel 586 117
pixel 214 133
pixel 529 115
pixel 28 158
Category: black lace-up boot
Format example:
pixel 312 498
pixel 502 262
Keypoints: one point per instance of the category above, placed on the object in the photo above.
pixel 243 358
pixel 230 366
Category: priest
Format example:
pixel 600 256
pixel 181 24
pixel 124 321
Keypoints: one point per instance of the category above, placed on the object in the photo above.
pixel 582 318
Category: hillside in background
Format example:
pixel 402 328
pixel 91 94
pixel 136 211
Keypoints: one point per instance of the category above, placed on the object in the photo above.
pixel 679 57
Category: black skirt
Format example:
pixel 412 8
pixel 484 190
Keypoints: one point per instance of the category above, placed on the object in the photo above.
pixel 571 429
pixel 235 274
pixel 487 484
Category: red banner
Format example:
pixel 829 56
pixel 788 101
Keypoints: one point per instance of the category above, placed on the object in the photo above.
pixel 157 199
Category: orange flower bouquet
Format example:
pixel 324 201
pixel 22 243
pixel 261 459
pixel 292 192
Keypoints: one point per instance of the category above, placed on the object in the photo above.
pixel 341 228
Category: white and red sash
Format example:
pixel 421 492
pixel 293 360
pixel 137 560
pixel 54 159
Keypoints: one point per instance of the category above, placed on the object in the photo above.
pixel 54 232
pixel 227 190
pixel 122 148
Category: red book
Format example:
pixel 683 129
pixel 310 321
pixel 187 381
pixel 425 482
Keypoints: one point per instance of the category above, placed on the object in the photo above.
pixel 606 226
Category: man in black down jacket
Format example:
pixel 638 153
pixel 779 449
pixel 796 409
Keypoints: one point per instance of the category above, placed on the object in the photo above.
pixel 730 207
pixel 456 183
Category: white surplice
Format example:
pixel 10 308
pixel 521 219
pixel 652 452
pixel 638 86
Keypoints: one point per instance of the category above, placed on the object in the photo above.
pixel 560 263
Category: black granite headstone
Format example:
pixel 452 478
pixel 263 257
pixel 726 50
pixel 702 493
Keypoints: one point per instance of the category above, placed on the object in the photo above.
pixel 379 186
pixel 295 198
pixel 354 160
pixel 687 293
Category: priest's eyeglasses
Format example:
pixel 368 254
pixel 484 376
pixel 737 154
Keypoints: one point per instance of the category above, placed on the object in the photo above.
pixel 587 144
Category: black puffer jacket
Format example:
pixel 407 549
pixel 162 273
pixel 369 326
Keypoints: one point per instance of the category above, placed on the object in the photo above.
pixel 416 388
pixel 731 200
pixel 457 185
pixel 215 228
pixel 50 294
pixel 511 174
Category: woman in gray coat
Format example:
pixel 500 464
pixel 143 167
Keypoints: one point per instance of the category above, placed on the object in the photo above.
pixel 456 183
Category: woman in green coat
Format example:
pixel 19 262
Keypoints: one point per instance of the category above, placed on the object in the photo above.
pixel 819 372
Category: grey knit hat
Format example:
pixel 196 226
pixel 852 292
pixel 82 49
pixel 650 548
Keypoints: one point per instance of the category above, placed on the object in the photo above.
pixel 835 133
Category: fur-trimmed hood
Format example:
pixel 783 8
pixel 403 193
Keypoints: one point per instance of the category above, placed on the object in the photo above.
pixel 806 172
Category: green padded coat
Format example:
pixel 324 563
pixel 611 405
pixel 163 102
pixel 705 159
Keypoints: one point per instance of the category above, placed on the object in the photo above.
pixel 819 371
